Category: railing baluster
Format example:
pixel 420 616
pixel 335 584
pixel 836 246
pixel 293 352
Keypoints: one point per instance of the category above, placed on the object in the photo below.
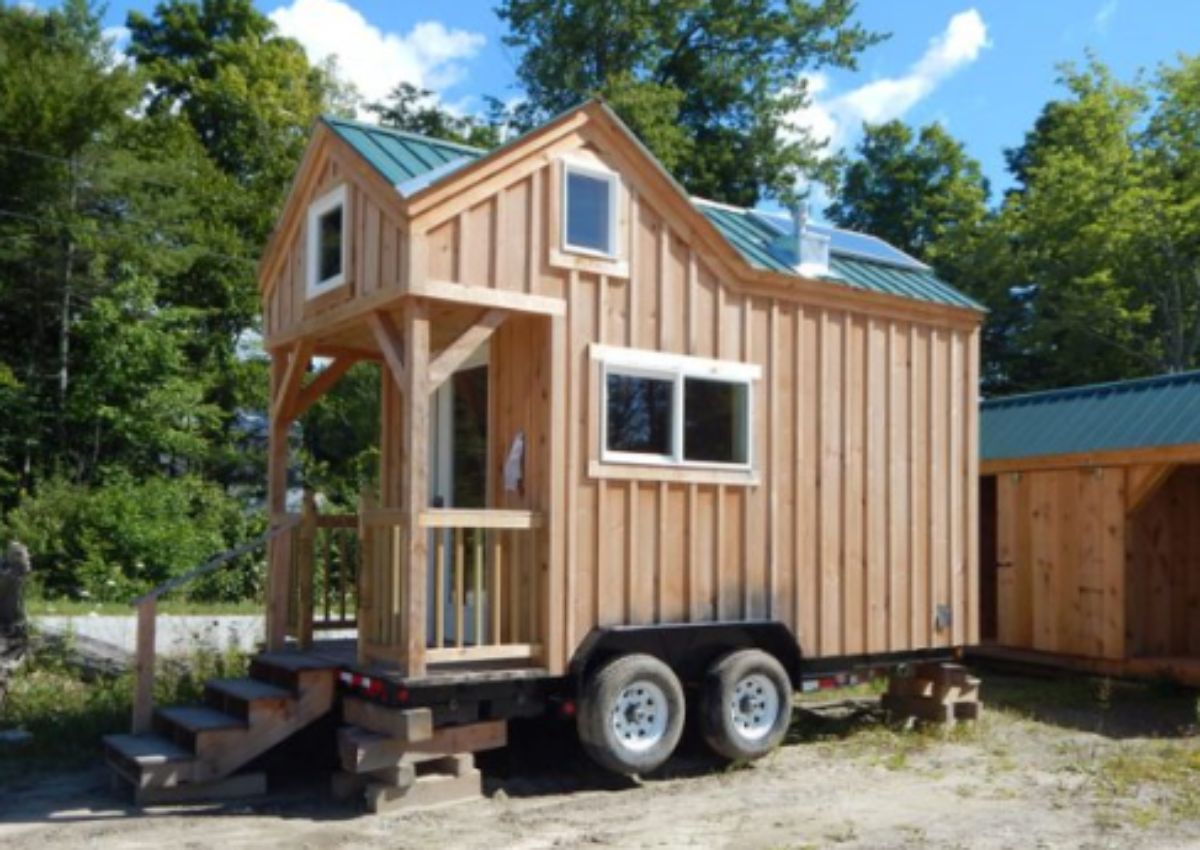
pixel 513 541
pixel 479 636
pixel 327 535
pixel 460 607
pixel 439 592
pixel 343 566
pixel 497 587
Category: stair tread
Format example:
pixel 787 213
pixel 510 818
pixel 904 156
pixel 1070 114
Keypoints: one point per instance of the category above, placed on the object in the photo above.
pixel 199 718
pixel 147 749
pixel 295 661
pixel 249 689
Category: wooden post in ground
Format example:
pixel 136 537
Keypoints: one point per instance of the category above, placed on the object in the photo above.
pixel 143 670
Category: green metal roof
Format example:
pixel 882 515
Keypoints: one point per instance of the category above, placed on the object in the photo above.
pixel 410 162
pixel 405 160
pixel 750 232
pixel 1162 411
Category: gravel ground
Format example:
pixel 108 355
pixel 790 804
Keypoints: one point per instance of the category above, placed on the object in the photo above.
pixel 1067 764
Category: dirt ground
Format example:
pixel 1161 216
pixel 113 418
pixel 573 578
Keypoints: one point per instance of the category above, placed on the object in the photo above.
pixel 1054 763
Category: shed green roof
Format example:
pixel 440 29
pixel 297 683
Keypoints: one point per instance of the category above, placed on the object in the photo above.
pixel 410 162
pixel 400 157
pixel 1137 414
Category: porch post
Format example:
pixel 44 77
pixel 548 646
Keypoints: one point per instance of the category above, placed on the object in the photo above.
pixel 278 548
pixel 414 476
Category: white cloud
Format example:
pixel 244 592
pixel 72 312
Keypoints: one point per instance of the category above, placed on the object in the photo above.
pixel 118 39
pixel 1104 16
pixel 839 117
pixel 429 55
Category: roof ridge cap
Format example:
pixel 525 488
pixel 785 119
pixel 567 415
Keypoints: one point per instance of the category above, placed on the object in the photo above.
pixel 1064 393
pixel 405 134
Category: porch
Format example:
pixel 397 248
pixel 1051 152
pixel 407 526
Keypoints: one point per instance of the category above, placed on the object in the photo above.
pixel 445 564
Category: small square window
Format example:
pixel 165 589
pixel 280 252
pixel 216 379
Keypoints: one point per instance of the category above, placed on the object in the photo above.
pixel 589 211
pixel 639 414
pixel 714 421
pixel 326 243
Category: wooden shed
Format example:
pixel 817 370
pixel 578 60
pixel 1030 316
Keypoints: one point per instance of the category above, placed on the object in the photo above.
pixel 618 423
pixel 1090 527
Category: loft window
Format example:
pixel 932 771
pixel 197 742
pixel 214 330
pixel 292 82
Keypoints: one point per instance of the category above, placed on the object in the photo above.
pixel 589 210
pixel 327 242
pixel 673 410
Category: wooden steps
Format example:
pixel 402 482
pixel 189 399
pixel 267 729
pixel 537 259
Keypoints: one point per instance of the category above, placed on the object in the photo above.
pixel 935 693
pixel 194 751
pixel 395 758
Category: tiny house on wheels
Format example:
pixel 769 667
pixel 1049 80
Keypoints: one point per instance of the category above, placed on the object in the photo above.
pixel 637 450
pixel 1090 534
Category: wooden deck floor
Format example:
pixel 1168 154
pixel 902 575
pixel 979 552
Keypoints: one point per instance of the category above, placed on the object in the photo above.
pixel 343 654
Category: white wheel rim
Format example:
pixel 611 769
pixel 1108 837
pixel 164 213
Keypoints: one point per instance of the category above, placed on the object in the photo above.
pixel 639 717
pixel 754 706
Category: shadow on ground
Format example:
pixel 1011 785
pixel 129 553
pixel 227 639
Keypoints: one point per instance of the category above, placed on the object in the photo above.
pixel 1113 708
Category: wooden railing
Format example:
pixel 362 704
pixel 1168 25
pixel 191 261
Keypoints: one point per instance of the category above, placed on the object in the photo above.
pixel 485 583
pixel 323 574
pixel 147 616
pixel 483 591
pixel 381 597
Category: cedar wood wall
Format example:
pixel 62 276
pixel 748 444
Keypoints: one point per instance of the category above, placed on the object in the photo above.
pixel 864 516
pixel 1078 574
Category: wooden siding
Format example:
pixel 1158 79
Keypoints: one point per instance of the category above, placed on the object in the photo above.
pixel 1060 552
pixel 374 252
pixel 859 523
pixel 1163 582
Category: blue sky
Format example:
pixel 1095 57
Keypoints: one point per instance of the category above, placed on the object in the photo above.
pixel 982 69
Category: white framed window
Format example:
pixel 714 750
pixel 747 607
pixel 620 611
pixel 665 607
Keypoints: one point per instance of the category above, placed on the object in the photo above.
pixel 589 209
pixel 328 229
pixel 672 410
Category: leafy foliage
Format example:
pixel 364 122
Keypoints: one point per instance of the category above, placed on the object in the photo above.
pixel 708 85
pixel 114 540
pixel 415 110
pixel 1091 265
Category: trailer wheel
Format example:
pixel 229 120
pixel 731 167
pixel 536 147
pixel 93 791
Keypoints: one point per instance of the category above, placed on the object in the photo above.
pixel 631 714
pixel 746 705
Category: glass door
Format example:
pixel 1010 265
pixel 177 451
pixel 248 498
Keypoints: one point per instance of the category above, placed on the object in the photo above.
pixel 458 479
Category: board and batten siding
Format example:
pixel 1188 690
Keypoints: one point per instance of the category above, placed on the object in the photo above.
pixel 375 260
pixel 862 517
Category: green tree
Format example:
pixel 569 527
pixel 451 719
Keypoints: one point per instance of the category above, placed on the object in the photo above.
pixel 414 110
pixel 1083 207
pixel 919 192
pixel 708 85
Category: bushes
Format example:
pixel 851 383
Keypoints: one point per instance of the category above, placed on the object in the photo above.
pixel 112 541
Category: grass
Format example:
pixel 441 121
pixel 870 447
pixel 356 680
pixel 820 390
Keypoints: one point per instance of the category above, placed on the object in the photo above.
pixel 1148 782
pixel 68 713
pixel 83 608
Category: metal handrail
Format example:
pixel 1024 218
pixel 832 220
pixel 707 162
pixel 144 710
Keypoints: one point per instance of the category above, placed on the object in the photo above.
pixel 146 605
pixel 216 561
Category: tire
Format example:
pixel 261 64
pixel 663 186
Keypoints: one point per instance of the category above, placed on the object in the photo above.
pixel 631 714
pixel 745 705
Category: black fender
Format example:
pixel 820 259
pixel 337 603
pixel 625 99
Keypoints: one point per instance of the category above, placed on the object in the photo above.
pixel 688 648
